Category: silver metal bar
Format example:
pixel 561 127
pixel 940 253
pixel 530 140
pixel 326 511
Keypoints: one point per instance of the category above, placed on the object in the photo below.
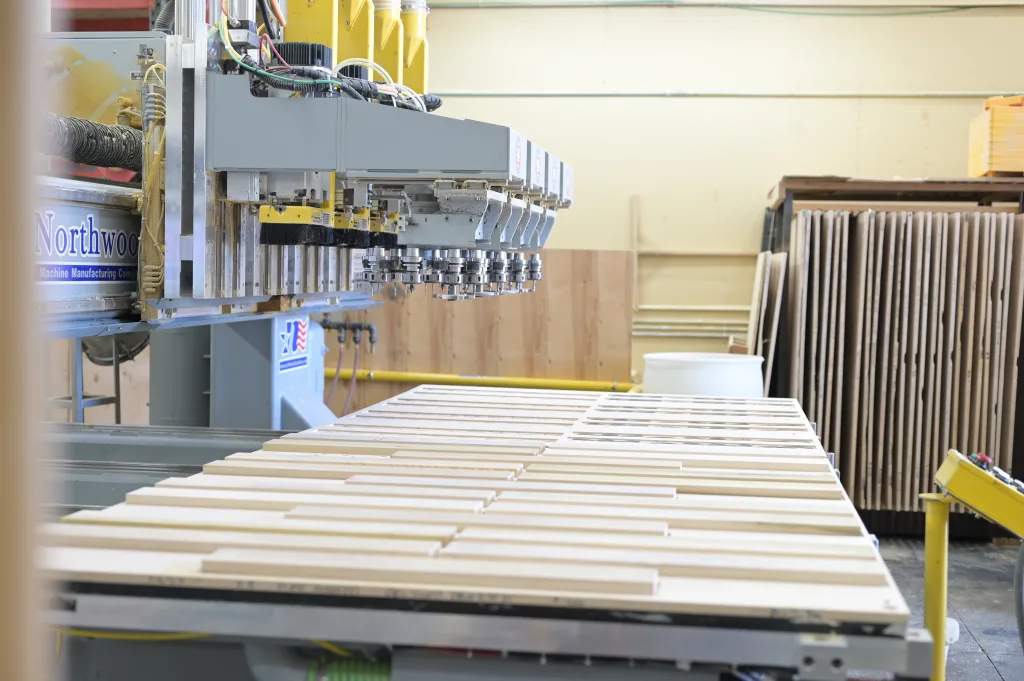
pixel 203 209
pixel 243 10
pixel 903 655
pixel 117 379
pixel 173 168
pixel 187 15
pixel 77 397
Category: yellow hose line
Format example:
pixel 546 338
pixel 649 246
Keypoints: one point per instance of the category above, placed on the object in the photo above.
pixel 480 381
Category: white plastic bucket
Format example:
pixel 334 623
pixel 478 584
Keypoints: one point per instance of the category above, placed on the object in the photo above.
pixel 703 373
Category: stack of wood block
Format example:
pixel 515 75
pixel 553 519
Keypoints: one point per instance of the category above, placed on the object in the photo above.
pixel 997 139
pixel 905 331
pixel 664 504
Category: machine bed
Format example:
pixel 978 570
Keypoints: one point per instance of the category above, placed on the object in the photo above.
pixel 625 526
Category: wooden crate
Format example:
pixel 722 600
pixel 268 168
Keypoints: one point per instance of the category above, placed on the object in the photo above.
pixel 997 141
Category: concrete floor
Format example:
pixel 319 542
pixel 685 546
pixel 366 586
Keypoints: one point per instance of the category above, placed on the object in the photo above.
pixel 980 598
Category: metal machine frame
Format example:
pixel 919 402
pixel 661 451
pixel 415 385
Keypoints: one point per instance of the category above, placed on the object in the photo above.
pixel 696 652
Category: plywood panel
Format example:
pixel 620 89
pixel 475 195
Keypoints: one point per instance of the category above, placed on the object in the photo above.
pixel 577 325
pixel 922 326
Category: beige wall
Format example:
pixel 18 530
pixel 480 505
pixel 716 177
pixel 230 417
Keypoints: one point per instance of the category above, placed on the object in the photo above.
pixel 702 166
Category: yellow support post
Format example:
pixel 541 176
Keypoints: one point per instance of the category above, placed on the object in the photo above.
pixel 390 36
pixel 355 31
pixel 936 574
pixel 414 21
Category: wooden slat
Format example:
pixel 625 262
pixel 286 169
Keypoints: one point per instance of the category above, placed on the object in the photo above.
pixel 643 503
pixel 677 564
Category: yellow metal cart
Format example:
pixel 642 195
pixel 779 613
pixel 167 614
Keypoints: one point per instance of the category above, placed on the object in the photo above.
pixel 992 494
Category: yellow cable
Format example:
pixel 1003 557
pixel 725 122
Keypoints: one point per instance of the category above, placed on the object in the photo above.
pixel 327 645
pixel 155 67
pixel 120 636
pixel 181 636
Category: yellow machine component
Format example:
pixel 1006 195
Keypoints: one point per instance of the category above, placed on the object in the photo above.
pixel 390 36
pixel 314 22
pixel 296 215
pixel 484 381
pixel 414 73
pixel 985 494
pixel 356 30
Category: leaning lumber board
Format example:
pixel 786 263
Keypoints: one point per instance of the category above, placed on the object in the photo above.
pixel 191 541
pixel 1016 316
pixel 870 349
pixel 840 361
pixel 776 291
pixel 755 316
pixel 998 357
pixel 951 332
pixel 829 373
pixel 464 520
pixel 895 471
pixel 850 465
pixel 810 360
pixel 798 281
pixel 886 373
pixel 461 574
pixel 678 564
pixel 933 391
pixel 918 324
pixel 825 315
pixel 281 501
pixel 967 331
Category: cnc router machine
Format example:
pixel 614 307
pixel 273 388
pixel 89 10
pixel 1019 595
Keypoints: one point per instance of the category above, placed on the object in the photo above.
pixel 220 185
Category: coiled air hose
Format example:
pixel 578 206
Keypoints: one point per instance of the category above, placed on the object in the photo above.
pixel 95 144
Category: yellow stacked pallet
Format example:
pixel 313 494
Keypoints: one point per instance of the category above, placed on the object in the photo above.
pixel 997 138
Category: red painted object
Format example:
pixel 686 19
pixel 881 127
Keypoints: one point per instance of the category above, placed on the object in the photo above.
pixel 102 15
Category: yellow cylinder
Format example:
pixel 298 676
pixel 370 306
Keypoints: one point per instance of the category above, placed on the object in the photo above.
pixel 936 571
pixel 414 21
pixel 390 36
pixel 480 381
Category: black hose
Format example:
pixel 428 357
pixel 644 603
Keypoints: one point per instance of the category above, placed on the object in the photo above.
pixel 165 19
pixel 351 91
pixel 268 19
pixel 95 144
pixel 432 102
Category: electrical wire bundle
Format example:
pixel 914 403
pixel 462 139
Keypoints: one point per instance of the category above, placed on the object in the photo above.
pixel 314 79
